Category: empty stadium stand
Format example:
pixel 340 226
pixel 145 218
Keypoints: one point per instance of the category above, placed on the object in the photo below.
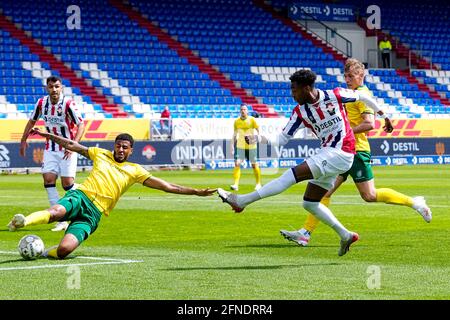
pixel 201 58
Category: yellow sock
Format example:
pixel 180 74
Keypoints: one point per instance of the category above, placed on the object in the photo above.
pixel 393 197
pixel 52 252
pixel 257 172
pixel 237 175
pixel 312 222
pixel 38 217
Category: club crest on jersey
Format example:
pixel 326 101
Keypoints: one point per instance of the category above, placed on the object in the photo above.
pixel 59 110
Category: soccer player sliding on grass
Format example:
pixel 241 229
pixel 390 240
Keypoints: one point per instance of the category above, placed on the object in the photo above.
pixel 323 112
pixel 110 177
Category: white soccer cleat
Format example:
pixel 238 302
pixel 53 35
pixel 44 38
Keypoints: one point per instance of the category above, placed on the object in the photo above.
pixel 421 207
pixel 18 221
pixel 231 199
pixel 345 244
pixel 234 187
pixel 300 237
pixel 61 226
pixel 258 186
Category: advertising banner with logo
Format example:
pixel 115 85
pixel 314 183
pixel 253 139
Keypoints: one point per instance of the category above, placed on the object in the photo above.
pixel 413 128
pixel 197 128
pixel 216 154
pixel 96 130
pixel 323 12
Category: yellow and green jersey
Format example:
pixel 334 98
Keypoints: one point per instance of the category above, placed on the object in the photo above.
pixel 354 112
pixel 243 128
pixel 109 179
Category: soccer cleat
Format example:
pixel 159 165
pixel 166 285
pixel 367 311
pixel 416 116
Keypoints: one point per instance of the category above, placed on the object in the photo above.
pixel 229 198
pixel 234 187
pixel 421 207
pixel 61 226
pixel 300 237
pixel 258 186
pixel 345 244
pixel 18 221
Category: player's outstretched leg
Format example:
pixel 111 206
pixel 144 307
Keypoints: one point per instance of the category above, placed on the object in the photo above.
pixel 20 221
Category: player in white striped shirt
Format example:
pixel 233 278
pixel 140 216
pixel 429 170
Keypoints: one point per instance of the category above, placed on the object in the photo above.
pixel 60 117
pixel 324 114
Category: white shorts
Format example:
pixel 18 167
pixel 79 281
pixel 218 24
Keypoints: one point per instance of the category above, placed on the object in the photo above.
pixel 54 163
pixel 327 164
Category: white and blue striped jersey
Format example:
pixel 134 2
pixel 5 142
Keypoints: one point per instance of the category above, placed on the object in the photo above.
pixel 327 119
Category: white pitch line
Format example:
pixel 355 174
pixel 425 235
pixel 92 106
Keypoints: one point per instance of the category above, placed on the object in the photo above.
pixel 50 266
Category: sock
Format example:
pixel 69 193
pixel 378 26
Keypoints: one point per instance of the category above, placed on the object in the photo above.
pixel 237 175
pixel 326 216
pixel 52 193
pixel 38 217
pixel 312 222
pixel 257 172
pixel 68 187
pixel 393 197
pixel 272 188
pixel 53 252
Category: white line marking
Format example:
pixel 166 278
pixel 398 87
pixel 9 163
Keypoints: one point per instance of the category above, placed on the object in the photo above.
pixel 50 266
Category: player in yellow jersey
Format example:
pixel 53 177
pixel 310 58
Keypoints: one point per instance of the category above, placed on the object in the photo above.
pixel 243 126
pixel 362 120
pixel 110 177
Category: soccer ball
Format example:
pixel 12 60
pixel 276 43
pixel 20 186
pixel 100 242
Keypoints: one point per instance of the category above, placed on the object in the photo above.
pixel 31 247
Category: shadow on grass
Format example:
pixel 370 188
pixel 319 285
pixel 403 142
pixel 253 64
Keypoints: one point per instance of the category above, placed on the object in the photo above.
pixel 273 267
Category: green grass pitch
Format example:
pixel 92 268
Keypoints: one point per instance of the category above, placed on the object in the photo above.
pixel 162 246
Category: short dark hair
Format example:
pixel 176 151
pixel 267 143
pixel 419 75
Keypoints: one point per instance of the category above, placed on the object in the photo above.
pixel 125 137
pixel 303 77
pixel 53 79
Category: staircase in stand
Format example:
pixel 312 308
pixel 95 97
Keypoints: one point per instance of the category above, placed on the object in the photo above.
pixel 194 59
pixel 59 66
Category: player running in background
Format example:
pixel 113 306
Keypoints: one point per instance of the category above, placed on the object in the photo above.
pixel 361 120
pixel 60 118
pixel 110 177
pixel 324 114
pixel 244 125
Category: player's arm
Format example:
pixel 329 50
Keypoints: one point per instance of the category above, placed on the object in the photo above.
pixel 372 104
pixel 64 142
pixel 352 96
pixel 77 138
pixel 159 184
pixel 367 124
pixel 281 138
pixel 26 132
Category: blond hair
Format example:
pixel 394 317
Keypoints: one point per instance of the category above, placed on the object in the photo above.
pixel 354 66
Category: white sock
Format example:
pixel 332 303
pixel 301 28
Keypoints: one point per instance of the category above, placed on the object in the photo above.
pixel 325 215
pixel 272 188
pixel 52 194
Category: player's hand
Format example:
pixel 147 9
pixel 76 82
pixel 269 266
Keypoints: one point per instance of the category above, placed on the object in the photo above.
pixel 23 148
pixel 388 127
pixel 251 139
pixel 67 154
pixel 206 192
pixel 38 132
